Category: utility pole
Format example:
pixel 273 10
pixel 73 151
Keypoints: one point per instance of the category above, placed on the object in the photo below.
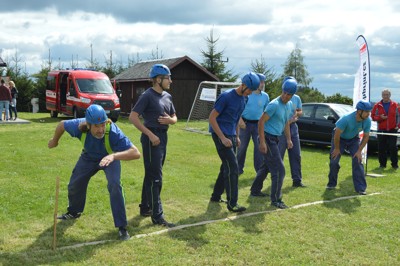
pixel 91 55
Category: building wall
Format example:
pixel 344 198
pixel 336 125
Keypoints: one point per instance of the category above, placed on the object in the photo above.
pixel 130 93
pixel 185 79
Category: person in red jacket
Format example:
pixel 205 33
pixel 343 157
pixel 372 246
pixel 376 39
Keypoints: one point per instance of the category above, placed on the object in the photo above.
pixel 386 114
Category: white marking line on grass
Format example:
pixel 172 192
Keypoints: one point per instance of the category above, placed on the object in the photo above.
pixel 230 218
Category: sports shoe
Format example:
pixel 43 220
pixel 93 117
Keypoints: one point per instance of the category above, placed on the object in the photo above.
pixel 212 199
pixel 69 216
pixel 123 233
pixel 298 184
pixel 362 192
pixel 236 208
pixel 279 204
pixel 258 194
pixel 330 187
pixel 163 222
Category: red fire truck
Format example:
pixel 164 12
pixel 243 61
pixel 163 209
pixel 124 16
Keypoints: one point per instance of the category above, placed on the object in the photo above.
pixel 71 91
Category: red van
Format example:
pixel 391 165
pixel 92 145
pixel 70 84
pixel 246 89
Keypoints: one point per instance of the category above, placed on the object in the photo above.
pixel 71 91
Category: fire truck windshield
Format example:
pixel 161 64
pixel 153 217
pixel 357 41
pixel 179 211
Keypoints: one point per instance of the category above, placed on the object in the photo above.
pixel 95 86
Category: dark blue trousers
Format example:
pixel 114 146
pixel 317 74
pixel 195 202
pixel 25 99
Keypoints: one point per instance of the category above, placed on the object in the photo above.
pixel 273 162
pixel 84 169
pixel 153 158
pixel 228 173
pixel 251 131
pixel 294 153
pixel 261 175
pixel 387 143
pixel 352 145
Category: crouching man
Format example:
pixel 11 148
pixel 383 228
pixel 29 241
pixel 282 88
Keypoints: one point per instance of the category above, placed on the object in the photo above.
pixel 346 136
pixel 104 145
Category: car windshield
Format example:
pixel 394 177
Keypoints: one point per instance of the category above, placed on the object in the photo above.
pixel 95 86
pixel 343 109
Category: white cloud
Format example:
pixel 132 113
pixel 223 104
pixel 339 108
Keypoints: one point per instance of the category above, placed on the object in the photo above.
pixel 325 31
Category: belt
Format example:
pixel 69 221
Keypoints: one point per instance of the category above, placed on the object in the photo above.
pixel 157 129
pixel 250 121
pixel 271 135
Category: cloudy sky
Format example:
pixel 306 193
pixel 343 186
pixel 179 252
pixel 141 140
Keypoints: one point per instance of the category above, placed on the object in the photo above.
pixel 325 31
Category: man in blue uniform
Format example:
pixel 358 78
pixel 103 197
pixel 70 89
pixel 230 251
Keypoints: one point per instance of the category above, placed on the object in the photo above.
pixel 104 145
pixel 256 103
pixel 295 152
pixel 224 129
pixel 346 136
pixel 156 107
pixel 273 123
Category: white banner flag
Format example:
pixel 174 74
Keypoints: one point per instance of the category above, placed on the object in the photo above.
pixel 362 81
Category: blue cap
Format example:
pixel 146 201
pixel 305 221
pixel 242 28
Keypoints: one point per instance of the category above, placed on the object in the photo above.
pixel 251 81
pixel 159 69
pixel 364 105
pixel 95 114
pixel 261 76
pixel 289 85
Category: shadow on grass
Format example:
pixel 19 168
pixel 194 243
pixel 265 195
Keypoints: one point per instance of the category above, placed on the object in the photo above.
pixel 41 251
pixel 257 204
pixel 344 188
pixel 195 238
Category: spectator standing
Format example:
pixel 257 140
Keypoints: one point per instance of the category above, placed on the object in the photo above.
pixel 14 95
pixel 295 151
pixel 156 107
pixel 5 99
pixel 386 114
pixel 346 136
pixel 104 145
pixel 256 103
pixel 273 123
pixel 224 128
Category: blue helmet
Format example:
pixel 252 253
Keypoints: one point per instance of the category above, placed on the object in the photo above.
pixel 289 85
pixel 159 69
pixel 261 76
pixel 251 81
pixel 95 114
pixel 364 105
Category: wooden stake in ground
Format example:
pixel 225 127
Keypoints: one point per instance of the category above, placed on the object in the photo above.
pixel 55 213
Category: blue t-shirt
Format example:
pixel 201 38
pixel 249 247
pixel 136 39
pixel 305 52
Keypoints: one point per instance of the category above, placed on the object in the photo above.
pixel 279 114
pixel 386 106
pixel 229 106
pixel 151 105
pixel 296 104
pixel 256 103
pixel 96 148
pixel 350 127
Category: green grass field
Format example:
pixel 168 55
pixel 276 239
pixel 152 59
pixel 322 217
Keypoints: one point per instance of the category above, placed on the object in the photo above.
pixel 336 227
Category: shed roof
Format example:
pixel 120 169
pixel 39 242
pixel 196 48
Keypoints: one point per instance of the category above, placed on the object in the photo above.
pixel 140 71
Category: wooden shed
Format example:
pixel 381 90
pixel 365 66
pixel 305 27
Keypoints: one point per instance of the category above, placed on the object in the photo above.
pixel 186 76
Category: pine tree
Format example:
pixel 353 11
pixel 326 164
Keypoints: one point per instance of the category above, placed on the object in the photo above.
pixel 213 60
pixel 296 68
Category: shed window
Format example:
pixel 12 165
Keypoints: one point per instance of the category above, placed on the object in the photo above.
pixel 139 91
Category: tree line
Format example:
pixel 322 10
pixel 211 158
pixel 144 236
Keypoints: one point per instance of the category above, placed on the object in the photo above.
pixel 34 85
